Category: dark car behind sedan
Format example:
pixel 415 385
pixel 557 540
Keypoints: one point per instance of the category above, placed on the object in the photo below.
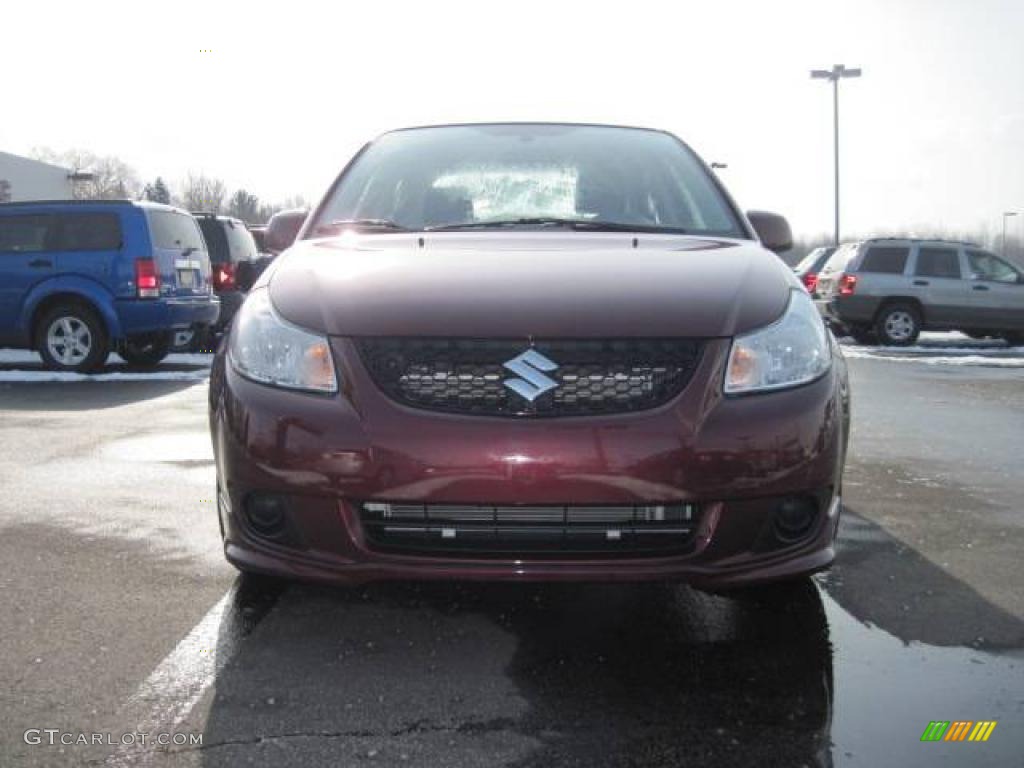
pixel 233 253
pixel 530 351
pixel 810 266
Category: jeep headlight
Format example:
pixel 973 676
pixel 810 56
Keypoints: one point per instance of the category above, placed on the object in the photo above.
pixel 266 348
pixel 793 350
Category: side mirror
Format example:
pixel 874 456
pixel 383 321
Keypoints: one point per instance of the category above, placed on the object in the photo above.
pixel 772 229
pixel 283 228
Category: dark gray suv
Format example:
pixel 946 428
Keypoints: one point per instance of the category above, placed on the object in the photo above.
pixel 892 289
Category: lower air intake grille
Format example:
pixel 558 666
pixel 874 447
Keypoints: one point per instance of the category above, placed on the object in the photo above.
pixel 512 530
pixel 589 376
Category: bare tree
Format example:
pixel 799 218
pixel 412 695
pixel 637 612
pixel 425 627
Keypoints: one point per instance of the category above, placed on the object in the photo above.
pixel 245 206
pixel 203 193
pixel 109 176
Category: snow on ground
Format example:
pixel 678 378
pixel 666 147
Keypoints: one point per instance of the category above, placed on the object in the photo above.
pixel 168 370
pixel 155 375
pixel 946 348
pixel 25 356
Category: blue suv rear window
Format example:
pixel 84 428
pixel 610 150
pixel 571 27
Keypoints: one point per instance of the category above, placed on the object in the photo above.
pixel 174 231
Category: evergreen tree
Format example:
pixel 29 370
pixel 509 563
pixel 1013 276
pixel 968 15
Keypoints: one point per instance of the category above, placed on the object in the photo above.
pixel 161 194
pixel 157 192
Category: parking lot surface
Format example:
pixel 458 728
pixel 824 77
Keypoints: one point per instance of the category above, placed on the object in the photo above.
pixel 123 618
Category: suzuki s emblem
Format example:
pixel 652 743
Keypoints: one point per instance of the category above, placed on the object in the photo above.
pixel 532 382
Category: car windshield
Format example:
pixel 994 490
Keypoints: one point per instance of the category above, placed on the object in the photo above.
pixel 241 243
pixel 815 258
pixel 838 261
pixel 528 175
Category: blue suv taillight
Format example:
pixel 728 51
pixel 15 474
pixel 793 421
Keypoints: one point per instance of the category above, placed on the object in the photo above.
pixel 147 279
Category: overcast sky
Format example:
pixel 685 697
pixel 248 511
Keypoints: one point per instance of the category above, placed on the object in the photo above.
pixel 933 134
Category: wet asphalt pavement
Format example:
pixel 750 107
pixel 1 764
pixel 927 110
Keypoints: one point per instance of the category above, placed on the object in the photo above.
pixel 122 617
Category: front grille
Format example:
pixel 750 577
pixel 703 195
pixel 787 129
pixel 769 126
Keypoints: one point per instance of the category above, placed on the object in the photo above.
pixel 593 376
pixel 553 530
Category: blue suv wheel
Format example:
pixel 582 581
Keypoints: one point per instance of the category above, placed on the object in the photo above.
pixel 71 337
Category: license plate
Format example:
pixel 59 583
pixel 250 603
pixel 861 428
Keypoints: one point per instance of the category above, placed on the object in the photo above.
pixel 186 278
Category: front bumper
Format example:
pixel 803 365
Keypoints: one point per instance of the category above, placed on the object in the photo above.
pixel 735 457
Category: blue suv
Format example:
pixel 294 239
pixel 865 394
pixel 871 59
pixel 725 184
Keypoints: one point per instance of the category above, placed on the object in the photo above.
pixel 79 279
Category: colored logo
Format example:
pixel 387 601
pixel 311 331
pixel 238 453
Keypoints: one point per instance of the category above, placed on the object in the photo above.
pixel 958 730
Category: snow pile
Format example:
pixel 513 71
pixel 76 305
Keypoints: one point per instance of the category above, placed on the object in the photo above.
pixel 33 371
pixel 28 357
pixel 156 375
pixel 943 349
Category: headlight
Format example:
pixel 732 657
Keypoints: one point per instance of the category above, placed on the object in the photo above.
pixel 789 352
pixel 267 349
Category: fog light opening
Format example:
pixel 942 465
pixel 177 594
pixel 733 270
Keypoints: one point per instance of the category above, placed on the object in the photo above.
pixel 266 514
pixel 794 518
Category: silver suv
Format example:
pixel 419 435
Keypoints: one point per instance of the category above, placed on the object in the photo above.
pixel 892 289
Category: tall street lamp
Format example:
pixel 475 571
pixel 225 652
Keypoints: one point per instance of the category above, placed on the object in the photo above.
pixel 1006 215
pixel 834 75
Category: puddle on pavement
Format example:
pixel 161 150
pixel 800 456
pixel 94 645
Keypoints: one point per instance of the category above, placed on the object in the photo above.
pixel 613 675
pixel 187 449
pixel 887 691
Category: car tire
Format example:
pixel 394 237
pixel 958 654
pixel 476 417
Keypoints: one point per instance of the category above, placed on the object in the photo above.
pixel 191 340
pixel 184 340
pixel 145 351
pixel 864 335
pixel 898 324
pixel 72 338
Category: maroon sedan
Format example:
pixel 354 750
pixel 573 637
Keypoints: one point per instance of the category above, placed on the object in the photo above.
pixel 530 351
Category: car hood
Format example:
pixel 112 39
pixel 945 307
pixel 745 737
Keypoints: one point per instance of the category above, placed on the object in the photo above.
pixel 543 285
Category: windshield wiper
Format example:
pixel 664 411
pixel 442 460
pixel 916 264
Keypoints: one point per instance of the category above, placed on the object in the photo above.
pixel 590 225
pixel 538 221
pixel 364 224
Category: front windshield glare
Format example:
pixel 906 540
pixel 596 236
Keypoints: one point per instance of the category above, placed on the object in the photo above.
pixel 529 174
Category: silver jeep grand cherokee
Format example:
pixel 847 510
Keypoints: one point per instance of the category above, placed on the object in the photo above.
pixel 892 289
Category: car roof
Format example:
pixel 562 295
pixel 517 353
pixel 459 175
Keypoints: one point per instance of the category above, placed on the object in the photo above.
pixel 945 241
pixel 112 203
pixel 217 216
pixel 502 123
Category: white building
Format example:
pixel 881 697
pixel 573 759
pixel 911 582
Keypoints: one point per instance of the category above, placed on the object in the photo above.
pixel 22 178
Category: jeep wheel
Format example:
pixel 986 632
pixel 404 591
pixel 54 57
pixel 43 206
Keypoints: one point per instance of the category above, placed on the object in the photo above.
pixel 145 351
pixel 863 335
pixel 71 338
pixel 898 325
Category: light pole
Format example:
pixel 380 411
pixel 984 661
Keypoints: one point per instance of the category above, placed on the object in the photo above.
pixel 834 75
pixel 1006 215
